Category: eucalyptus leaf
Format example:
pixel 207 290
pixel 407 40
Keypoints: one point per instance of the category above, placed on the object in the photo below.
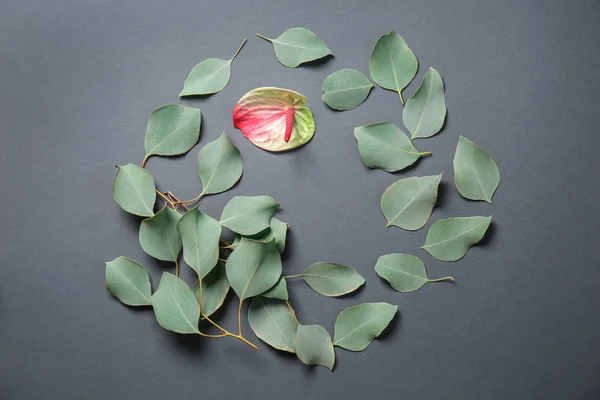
pixel 253 267
pixel 393 64
pixel 128 281
pixel 408 203
pixel 476 174
pixel 357 326
pixel 210 76
pixel 175 306
pixel 450 239
pixel 219 165
pixel 248 215
pixel 200 239
pixel 273 322
pixel 159 236
pixel 133 189
pixel 404 272
pixel 346 89
pixel 383 145
pixel 425 112
pixel 215 287
pixel 314 347
pixel 277 230
pixel 279 291
pixel 332 279
pixel 298 45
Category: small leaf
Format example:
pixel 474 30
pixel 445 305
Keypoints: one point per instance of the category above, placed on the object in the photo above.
pixel 476 174
pixel 393 64
pixel 200 239
pixel 298 45
pixel 219 165
pixel 128 281
pixel 332 279
pixel 133 189
pixel 175 306
pixel 346 89
pixel 159 236
pixel 425 112
pixel 357 326
pixel 215 287
pixel 253 267
pixel 450 239
pixel 404 272
pixel 277 230
pixel 314 347
pixel 408 203
pixel 273 322
pixel 383 145
pixel 248 215
pixel 210 76
pixel 279 291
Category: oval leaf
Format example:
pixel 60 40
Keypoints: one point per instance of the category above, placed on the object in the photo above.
pixel 273 322
pixel 476 174
pixel 346 89
pixel 175 306
pixel 408 203
pixel 383 145
pixel 425 112
pixel 314 347
pixel 219 165
pixel 128 281
pixel 215 287
pixel 450 239
pixel 404 272
pixel 133 189
pixel 200 239
pixel 279 291
pixel 159 236
pixel 277 230
pixel 357 326
pixel 332 279
pixel 298 45
pixel 248 215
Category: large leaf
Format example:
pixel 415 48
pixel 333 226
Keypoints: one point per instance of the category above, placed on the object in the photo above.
pixel 159 236
pixel 215 287
pixel 476 174
pixel 450 239
pixel 383 145
pixel 248 215
pixel 209 76
pixel 357 326
pixel 253 267
pixel 133 189
pixel 298 45
pixel 200 238
pixel 345 89
pixel 175 306
pixel 273 322
pixel 425 112
pixel 219 165
pixel 404 272
pixel 393 64
pixel 314 347
pixel 408 203
pixel 128 281
pixel 279 291
pixel 332 279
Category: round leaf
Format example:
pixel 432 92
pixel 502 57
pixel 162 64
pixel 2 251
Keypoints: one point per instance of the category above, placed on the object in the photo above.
pixel 219 165
pixel 298 45
pixel 277 230
pixel 314 347
pixel 172 129
pixel 200 239
pixel 476 174
pixel 175 306
pixel 273 322
pixel 450 239
pixel 159 236
pixel 346 89
pixel 128 281
pixel 404 272
pixel 248 215
pixel 133 189
pixel 279 291
pixel 357 326
pixel 425 112
pixel 215 287
pixel 332 279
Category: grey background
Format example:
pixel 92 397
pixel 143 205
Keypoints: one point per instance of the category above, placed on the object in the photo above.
pixel 78 80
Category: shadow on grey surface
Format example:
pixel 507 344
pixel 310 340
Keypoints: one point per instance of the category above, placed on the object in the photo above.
pixel 316 64
pixel 489 235
pixel 443 192
pixel 188 345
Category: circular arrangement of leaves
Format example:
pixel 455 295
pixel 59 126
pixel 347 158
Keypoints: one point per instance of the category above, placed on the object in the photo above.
pixel 277 119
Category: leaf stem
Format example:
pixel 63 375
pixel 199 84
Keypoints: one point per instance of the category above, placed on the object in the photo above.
pixel 238 50
pixel 400 94
pixel 263 37
pixel 292 276
pixel 445 278
pixel 191 200
pixel 176 200
pixel 292 310
pixel 239 318
pixel 168 200
pixel 425 153
pixel 145 159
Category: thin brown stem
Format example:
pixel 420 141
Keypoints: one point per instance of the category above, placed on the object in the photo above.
pixel 292 310
pixel 144 160
pixel 165 198
pixel 176 200
pixel 239 318
pixel 176 269
pixel 190 200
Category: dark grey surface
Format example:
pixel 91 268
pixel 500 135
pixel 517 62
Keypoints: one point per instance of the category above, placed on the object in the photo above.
pixel 78 80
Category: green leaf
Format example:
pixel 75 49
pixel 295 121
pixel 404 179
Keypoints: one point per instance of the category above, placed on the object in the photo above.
pixel 314 347
pixel 128 281
pixel 175 306
pixel 450 239
pixel 172 129
pixel 273 322
pixel 159 236
pixel 248 215
pixel 279 291
pixel 383 145
pixel 277 230
pixel 393 64
pixel 346 89
pixel 332 279
pixel 133 189
pixel 476 174
pixel 219 165
pixel 253 267
pixel 408 203
pixel 298 45
pixel 404 272
pixel 215 287
pixel 357 326
pixel 200 238
pixel 210 76
pixel 425 112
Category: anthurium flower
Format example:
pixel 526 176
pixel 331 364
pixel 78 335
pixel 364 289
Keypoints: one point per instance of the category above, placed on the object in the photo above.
pixel 274 119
